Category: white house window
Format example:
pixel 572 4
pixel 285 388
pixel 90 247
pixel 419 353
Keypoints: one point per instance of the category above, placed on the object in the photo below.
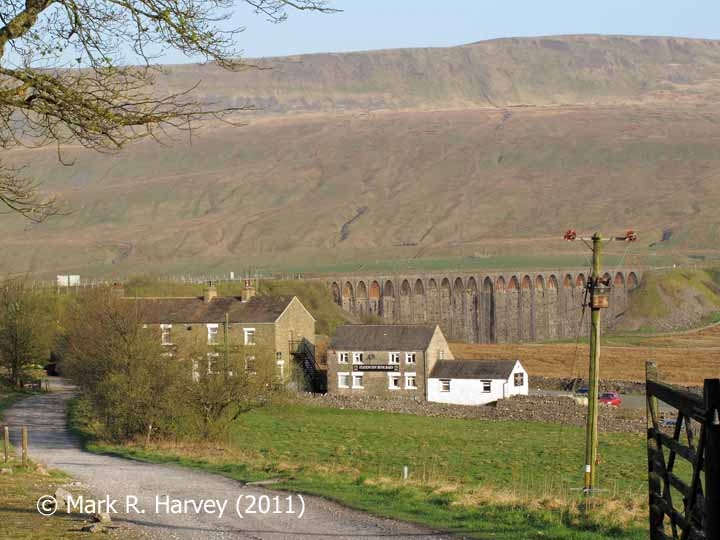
pixel 519 379
pixel 444 385
pixel 410 381
pixel 343 380
pixel 343 357
pixel 213 362
pixel 486 386
pixel 165 338
pixel 212 330
pixel 250 364
pixel 394 358
pixel 195 371
pixel 249 336
pixel 357 381
pixel 410 358
pixel 357 358
pixel 394 382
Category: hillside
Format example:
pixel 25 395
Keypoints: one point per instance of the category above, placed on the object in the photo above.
pixel 498 73
pixel 674 299
pixel 452 156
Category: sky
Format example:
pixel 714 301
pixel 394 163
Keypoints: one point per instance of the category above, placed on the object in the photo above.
pixel 379 24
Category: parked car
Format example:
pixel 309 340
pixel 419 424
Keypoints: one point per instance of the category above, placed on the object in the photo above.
pixel 610 398
pixel 582 391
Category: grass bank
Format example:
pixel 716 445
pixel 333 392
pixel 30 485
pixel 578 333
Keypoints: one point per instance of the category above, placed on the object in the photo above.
pixel 505 480
pixel 674 299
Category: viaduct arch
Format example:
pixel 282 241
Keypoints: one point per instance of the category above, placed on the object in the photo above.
pixel 501 307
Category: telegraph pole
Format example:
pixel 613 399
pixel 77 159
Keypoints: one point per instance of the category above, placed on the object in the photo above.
pixel 598 290
pixel 593 383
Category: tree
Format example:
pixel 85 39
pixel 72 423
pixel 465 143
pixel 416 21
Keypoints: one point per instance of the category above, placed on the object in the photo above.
pixel 26 328
pixel 228 380
pixel 100 103
pixel 121 367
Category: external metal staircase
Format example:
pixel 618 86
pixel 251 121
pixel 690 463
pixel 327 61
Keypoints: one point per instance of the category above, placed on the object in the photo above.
pixel 304 354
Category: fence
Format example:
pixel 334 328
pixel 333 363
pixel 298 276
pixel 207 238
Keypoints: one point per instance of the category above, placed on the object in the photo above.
pixel 698 517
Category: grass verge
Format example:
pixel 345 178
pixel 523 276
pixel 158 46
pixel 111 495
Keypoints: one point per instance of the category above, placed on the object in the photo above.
pixel 502 480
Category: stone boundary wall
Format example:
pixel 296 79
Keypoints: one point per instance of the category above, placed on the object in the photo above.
pixel 558 410
pixel 502 307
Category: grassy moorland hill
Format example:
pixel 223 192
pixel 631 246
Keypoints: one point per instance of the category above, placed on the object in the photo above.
pixel 504 72
pixel 476 155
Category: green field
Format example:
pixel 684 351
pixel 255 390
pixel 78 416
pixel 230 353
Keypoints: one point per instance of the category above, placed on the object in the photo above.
pixel 504 480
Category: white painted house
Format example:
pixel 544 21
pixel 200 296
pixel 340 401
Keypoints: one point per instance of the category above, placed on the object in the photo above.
pixel 476 382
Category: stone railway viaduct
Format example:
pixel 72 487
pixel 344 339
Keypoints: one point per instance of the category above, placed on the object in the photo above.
pixel 501 307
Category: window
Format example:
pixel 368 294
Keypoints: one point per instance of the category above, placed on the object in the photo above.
pixel 278 356
pixel 357 381
pixel 250 364
pixel 394 358
pixel 343 357
pixel 486 386
pixel 249 336
pixel 410 358
pixel 444 385
pixel 212 334
pixel 213 362
pixel 519 379
pixel 343 380
pixel 394 382
pixel 165 334
pixel 357 358
pixel 410 381
pixel 195 371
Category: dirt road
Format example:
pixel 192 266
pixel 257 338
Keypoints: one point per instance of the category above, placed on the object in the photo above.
pixel 117 478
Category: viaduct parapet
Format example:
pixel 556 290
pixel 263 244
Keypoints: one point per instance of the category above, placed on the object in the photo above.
pixel 493 307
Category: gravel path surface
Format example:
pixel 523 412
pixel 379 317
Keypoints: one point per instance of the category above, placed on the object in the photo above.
pixel 50 443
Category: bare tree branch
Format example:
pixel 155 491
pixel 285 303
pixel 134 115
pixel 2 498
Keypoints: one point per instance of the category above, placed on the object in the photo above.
pixel 103 104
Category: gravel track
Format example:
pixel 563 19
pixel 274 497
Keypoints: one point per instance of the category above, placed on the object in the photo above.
pixel 52 444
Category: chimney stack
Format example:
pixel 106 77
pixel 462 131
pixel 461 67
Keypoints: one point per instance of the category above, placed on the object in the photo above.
pixel 209 293
pixel 249 291
pixel 118 289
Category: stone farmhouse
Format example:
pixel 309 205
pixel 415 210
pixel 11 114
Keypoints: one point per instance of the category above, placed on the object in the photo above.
pixel 280 324
pixel 415 362
pixel 476 382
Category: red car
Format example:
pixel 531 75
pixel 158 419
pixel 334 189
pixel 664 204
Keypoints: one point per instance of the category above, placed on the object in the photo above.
pixel 610 398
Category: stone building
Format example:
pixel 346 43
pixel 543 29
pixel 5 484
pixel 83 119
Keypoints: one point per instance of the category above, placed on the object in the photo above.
pixel 280 324
pixel 384 360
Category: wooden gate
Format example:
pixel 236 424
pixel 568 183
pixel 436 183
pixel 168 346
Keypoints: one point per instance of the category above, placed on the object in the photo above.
pixel 684 496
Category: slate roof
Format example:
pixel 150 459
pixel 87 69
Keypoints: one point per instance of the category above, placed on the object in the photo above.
pixel 260 309
pixel 382 337
pixel 472 369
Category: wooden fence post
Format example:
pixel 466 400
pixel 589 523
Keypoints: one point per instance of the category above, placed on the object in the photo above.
pixel 6 443
pixel 654 485
pixel 712 458
pixel 24 432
